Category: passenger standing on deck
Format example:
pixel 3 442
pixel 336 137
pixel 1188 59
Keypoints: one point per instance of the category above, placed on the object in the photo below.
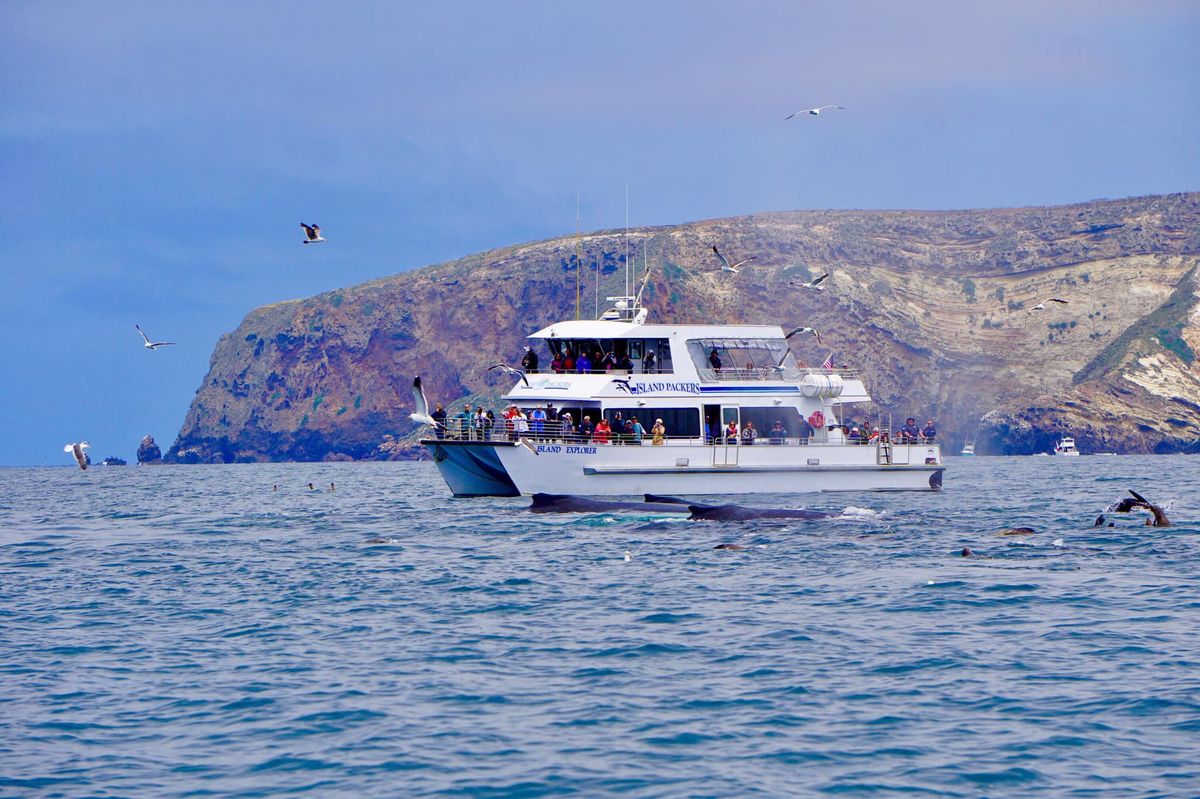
pixel 618 428
pixel 462 423
pixel 930 431
pixel 439 421
pixel 569 362
pixel 479 422
pixel 529 361
pixel 520 424
pixel 537 422
pixel 731 433
pixel 806 430
pixel 567 425
pixel 749 433
pixel 625 363
pixel 600 434
pixel 715 360
pixel 556 364
pixel 582 364
pixel 639 432
pixel 585 428
pixel 649 362
pixel 659 432
pixel 777 434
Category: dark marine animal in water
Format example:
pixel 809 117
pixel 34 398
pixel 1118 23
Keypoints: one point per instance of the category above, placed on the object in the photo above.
pixel 1017 531
pixel 569 503
pixel 742 513
pixel 1136 502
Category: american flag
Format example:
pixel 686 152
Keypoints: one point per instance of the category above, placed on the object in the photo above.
pixel 828 362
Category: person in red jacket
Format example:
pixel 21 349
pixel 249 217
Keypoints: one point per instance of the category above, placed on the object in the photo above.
pixel 602 431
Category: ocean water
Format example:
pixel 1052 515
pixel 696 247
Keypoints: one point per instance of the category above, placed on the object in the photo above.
pixel 189 632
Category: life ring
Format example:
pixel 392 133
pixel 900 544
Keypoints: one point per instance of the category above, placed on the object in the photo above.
pixel 817 420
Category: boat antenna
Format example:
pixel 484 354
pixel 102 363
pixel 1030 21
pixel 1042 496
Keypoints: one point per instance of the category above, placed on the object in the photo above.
pixel 578 257
pixel 627 238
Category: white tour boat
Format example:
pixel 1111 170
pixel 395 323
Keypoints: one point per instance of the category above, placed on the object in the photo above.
pixel 1066 446
pixel 686 376
pixel 968 449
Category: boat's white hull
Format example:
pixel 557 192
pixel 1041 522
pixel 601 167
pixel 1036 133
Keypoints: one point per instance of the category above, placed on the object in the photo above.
pixel 1072 454
pixel 503 469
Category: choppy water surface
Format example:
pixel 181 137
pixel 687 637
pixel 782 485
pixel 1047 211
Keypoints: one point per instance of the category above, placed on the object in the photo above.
pixel 187 631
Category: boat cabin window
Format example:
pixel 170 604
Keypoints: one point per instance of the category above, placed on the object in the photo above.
pixel 740 358
pixel 600 352
pixel 679 422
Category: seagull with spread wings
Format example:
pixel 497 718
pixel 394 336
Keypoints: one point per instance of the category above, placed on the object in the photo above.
pixel 725 265
pixel 804 330
pixel 421 414
pixel 512 371
pixel 814 284
pixel 1041 306
pixel 152 345
pixel 816 112
pixel 312 234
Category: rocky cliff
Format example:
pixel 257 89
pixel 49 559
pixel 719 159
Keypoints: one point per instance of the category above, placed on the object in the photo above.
pixel 935 307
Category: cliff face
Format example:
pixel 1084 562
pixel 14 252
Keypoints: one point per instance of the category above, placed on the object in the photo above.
pixel 935 307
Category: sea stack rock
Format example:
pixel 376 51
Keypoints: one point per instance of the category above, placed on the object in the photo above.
pixel 149 452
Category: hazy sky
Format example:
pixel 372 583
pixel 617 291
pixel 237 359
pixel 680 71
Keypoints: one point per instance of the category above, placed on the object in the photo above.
pixel 156 158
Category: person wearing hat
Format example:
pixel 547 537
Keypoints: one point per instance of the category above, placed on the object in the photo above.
pixel 659 432
pixel 777 434
pixel 529 361
pixel 855 437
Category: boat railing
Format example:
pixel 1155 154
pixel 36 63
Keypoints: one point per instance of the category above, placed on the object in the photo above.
pixel 788 374
pixel 550 433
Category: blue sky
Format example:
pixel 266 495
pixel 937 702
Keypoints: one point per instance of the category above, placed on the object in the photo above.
pixel 156 158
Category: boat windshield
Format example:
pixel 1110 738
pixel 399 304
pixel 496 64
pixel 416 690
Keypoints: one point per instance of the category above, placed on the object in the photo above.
pixel 741 358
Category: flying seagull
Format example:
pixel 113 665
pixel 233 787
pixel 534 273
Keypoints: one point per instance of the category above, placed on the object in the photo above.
pixel 1137 502
pixel 77 451
pixel 524 442
pixel 812 284
pixel 816 112
pixel 152 345
pixel 1041 306
pixel 421 416
pixel 312 234
pixel 725 267
pixel 804 330
pixel 509 370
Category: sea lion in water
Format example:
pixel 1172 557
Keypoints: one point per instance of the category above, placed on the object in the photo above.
pixel 1017 531
pixel 1137 502
pixel 733 547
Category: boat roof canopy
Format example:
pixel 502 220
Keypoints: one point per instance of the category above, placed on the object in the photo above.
pixel 599 329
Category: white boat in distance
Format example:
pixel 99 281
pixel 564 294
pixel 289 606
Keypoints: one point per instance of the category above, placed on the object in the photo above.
pixel 968 449
pixel 685 376
pixel 1066 446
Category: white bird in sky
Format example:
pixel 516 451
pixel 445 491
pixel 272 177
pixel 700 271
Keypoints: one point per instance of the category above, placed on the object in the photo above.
pixel 312 234
pixel 421 415
pixel 814 111
pixel 77 451
pixel 814 284
pixel 524 442
pixel 725 267
pixel 152 345
pixel 804 330
pixel 1041 306
pixel 512 371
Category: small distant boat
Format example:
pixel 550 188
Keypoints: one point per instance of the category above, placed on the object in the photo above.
pixel 1066 446
pixel 968 448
